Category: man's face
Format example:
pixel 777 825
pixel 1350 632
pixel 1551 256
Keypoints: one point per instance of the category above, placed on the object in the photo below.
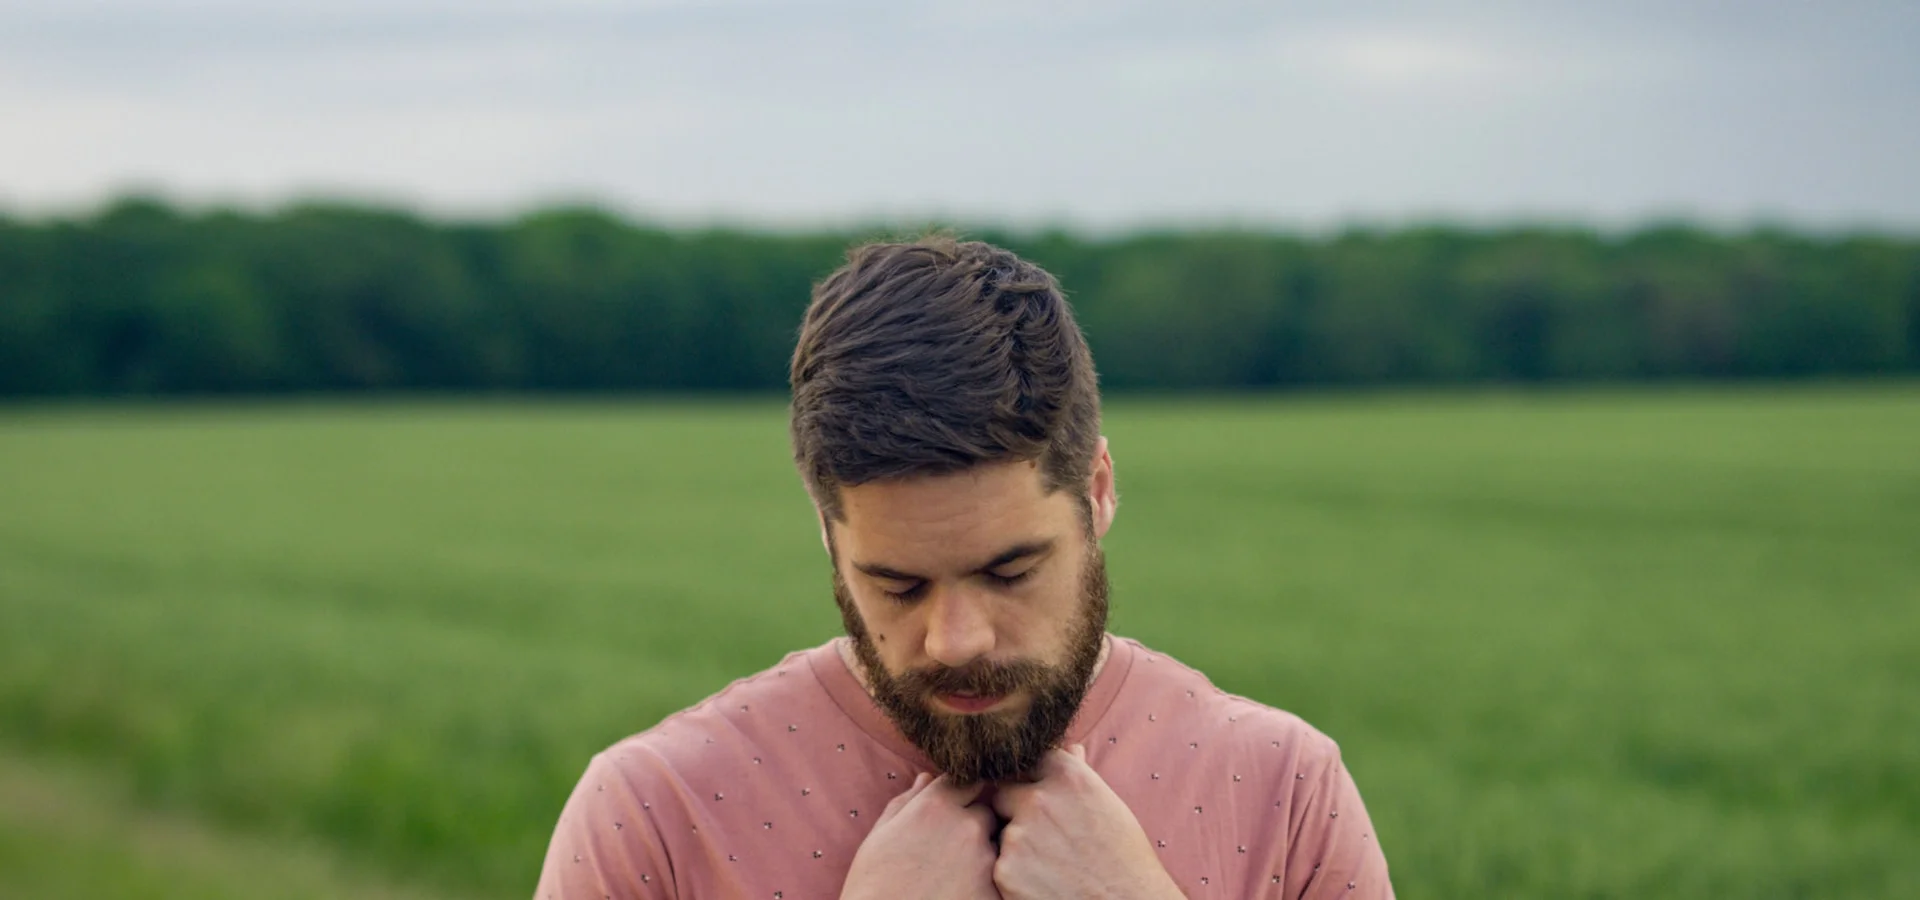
pixel 977 604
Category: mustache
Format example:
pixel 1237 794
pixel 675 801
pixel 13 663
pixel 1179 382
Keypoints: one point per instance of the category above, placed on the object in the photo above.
pixel 989 679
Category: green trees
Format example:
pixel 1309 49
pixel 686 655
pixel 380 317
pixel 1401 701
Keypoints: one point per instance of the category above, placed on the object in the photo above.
pixel 144 299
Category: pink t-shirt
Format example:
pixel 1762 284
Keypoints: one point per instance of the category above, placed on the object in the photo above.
pixel 766 789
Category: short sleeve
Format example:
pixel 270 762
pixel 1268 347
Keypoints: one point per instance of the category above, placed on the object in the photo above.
pixel 605 845
pixel 1335 854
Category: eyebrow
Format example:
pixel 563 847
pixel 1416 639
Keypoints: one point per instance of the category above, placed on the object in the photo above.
pixel 1011 554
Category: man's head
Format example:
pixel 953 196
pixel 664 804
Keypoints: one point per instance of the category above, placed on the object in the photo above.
pixel 946 422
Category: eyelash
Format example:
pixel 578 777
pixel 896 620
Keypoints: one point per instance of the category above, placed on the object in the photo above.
pixel 1009 580
pixel 906 596
pixel 913 593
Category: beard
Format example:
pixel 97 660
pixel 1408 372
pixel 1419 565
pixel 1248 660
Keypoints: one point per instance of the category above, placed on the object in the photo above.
pixel 991 746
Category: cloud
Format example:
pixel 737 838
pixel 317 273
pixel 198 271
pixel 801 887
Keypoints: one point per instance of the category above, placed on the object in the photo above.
pixel 1403 59
pixel 1111 112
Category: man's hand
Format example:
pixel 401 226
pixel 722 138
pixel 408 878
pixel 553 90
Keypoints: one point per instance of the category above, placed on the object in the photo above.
pixel 929 842
pixel 1069 835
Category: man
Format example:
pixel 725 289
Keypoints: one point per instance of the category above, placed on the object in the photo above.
pixel 977 733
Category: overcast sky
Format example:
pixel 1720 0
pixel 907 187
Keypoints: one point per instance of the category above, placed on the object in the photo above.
pixel 1103 114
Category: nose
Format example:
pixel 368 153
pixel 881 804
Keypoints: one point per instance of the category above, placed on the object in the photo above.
pixel 959 628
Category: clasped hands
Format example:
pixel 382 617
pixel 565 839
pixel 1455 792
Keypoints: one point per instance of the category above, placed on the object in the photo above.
pixel 1064 834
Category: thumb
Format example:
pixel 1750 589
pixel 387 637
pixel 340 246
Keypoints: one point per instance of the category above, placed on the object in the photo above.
pixel 905 797
pixel 958 796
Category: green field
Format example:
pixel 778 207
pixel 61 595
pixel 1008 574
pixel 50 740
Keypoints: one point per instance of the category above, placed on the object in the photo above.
pixel 1573 644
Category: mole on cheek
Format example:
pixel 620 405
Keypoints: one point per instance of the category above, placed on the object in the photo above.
pixel 880 636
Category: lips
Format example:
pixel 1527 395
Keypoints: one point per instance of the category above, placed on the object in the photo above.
pixel 971 703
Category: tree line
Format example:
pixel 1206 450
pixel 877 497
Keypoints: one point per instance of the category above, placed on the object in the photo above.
pixel 143 298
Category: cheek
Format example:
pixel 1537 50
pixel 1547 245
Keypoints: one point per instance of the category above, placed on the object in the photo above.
pixel 892 630
pixel 1050 613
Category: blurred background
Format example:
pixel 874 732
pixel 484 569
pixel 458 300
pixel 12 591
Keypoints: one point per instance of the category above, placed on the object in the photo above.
pixel 391 407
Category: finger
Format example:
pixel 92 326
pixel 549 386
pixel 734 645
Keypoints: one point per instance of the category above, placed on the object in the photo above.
pixel 1011 798
pixel 1054 764
pixel 1072 761
pixel 918 786
pixel 952 793
pixel 1012 833
pixel 1058 771
pixel 995 829
pixel 982 816
pixel 900 801
pixel 1071 767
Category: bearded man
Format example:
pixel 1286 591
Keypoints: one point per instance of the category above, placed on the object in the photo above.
pixel 977 733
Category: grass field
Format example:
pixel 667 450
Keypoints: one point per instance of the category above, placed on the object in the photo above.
pixel 1574 645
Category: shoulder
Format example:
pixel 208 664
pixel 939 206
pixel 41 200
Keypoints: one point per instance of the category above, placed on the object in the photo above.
pixel 1161 685
pixel 1196 743
pixel 723 730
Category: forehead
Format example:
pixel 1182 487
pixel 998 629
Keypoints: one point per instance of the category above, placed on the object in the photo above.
pixel 928 521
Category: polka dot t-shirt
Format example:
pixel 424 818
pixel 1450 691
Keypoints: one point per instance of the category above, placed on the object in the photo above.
pixel 766 789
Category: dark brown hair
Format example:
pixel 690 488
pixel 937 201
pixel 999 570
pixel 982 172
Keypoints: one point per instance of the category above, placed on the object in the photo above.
pixel 932 356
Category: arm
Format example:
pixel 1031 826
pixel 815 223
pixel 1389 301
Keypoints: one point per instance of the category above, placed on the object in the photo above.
pixel 605 844
pixel 1333 843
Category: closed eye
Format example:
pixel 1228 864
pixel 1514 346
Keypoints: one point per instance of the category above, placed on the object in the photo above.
pixel 909 595
pixel 1009 580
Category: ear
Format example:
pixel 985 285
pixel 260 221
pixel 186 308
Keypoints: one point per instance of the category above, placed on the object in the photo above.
pixel 826 540
pixel 1103 497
